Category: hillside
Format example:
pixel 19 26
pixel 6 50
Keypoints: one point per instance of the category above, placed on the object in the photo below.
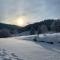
pixel 46 26
pixel 7 30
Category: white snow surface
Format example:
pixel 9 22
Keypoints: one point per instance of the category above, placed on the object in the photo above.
pixel 24 48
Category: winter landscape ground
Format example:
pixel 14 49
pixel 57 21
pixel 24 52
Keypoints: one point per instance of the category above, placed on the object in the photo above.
pixel 47 47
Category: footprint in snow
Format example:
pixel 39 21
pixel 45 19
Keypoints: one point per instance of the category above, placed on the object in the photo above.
pixel 6 55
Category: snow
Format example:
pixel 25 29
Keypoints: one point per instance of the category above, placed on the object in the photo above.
pixel 24 48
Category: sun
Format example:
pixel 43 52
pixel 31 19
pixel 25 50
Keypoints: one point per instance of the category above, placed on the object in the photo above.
pixel 21 21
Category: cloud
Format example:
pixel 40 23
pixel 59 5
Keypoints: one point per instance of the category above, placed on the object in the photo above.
pixel 36 10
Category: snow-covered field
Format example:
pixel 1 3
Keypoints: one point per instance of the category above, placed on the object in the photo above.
pixel 47 47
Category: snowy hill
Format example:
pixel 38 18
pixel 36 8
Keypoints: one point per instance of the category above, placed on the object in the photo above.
pixel 46 26
pixel 21 48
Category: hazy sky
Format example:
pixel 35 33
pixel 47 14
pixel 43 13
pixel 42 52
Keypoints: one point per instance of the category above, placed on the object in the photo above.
pixel 34 10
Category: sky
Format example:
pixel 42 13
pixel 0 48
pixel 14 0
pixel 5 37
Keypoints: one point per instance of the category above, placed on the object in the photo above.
pixel 33 10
